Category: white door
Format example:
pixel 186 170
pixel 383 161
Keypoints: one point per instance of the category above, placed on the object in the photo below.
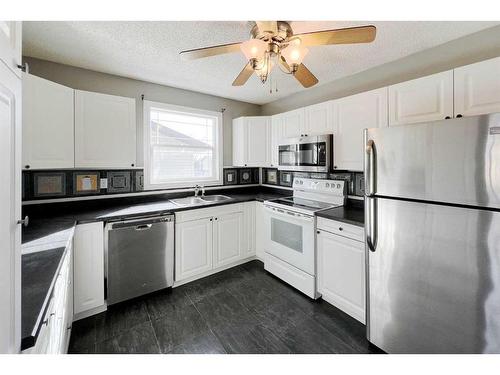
pixel 276 135
pixel 293 123
pixel 10 212
pixel 351 115
pixel 48 124
pixel 421 100
pixel 290 237
pixel 341 273
pixel 257 138
pixel 477 88
pixel 10 44
pixel 228 238
pixel 88 266
pixel 105 131
pixel 193 248
pixel 239 144
pixel 318 119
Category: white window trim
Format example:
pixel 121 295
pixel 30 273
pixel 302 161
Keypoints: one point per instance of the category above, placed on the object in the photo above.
pixel 147 105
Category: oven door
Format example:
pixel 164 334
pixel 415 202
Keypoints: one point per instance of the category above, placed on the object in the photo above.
pixel 289 236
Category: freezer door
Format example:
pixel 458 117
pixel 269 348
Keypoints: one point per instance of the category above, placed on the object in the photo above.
pixel 433 278
pixel 455 161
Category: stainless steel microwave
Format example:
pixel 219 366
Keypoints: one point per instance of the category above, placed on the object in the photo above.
pixel 310 153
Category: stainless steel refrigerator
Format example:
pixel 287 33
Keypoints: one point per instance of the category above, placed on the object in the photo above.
pixel 433 236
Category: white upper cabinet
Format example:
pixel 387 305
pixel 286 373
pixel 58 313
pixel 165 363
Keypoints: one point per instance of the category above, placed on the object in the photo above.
pixel 351 115
pixel 293 123
pixel 105 131
pixel 424 99
pixel 48 124
pixel 251 141
pixel 10 44
pixel 477 88
pixel 276 136
pixel 318 119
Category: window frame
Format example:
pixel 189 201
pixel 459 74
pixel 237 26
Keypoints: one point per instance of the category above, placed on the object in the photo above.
pixel 218 149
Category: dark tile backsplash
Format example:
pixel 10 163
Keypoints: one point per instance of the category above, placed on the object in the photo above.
pixel 118 181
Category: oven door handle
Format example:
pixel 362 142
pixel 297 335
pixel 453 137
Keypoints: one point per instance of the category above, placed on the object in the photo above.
pixel 282 212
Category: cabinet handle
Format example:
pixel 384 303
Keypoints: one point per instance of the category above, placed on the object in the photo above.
pixel 447 117
pixel 459 115
pixel 341 229
pixel 216 218
pixel 318 232
pixel 132 165
pixel 334 167
pixel 27 167
pixel 211 219
pixel 24 221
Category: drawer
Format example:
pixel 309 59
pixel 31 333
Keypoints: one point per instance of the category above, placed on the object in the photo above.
pixel 342 229
pixel 200 213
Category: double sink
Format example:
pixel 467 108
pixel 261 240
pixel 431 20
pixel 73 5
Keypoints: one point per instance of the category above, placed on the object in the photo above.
pixel 198 201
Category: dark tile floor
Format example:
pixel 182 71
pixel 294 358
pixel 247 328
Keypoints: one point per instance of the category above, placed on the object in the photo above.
pixel 240 310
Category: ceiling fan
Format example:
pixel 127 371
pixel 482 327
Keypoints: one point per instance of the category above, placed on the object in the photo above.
pixel 274 43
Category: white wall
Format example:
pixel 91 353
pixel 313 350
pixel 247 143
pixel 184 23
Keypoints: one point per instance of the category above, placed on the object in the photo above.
pixel 89 80
pixel 475 47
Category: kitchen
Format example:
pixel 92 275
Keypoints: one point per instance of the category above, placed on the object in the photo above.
pixel 295 211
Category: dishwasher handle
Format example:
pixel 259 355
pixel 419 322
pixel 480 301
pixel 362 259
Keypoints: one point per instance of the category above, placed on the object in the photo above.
pixel 142 224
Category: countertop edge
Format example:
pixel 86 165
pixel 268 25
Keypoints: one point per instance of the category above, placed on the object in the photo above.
pixel 30 341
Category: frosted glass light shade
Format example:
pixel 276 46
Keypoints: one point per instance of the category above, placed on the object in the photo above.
pixel 254 48
pixel 294 54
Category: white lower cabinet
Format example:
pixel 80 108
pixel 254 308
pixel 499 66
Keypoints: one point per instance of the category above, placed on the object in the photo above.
pixel 341 267
pixel 88 269
pixel 259 231
pixel 208 239
pixel 55 332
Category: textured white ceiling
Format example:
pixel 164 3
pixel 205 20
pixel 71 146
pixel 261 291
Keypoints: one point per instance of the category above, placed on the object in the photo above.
pixel 149 51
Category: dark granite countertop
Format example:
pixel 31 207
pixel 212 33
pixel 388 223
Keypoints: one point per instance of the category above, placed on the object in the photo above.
pixel 51 229
pixel 352 213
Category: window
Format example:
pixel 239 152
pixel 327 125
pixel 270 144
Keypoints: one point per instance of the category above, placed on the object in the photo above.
pixel 182 146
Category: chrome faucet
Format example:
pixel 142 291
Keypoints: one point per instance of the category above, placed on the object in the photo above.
pixel 196 190
pixel 202 190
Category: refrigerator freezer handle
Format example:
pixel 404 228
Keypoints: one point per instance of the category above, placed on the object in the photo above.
pixel 370 172
pixel 371 223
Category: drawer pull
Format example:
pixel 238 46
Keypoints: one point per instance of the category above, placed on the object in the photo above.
pixel 341 229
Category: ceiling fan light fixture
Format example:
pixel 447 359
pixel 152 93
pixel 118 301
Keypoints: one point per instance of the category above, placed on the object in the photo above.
pixel 254 49
pixel 294 54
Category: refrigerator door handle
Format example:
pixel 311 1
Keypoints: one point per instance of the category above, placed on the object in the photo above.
pixel 371 223
pixel 370 165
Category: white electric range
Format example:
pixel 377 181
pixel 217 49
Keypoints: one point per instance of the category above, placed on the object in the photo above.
pixel 290 226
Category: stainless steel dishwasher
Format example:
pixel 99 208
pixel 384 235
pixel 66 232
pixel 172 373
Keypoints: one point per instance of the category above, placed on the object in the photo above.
pixel 139 256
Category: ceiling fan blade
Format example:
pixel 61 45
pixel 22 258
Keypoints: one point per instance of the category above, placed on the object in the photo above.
pixel 244 75
pixel 269 26
pixel 305 77
pixel 199 53
pixel 362 34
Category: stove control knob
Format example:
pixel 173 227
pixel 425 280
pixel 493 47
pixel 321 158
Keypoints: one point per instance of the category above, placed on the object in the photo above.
pixel 327 184
pixel 338 186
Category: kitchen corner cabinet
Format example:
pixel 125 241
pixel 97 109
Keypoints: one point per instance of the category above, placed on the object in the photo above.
pixel 11 45
pixel 249 232
pixel 318 119
pixel 259 230
pixel 88 267
pixel 252 141
pixel 276 136
pixel 341 266
pixel 105 131
pixel 424 99
pixel 207 239
pixel 349 122
pixel 477 88
pixel 48 124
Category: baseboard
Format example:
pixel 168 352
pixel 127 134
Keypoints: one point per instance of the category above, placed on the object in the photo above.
pixel 87 313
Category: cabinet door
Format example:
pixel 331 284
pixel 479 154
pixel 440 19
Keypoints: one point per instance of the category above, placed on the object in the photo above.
pixel 349 122
pixel 229 238
pixel 420 100
pixel 249 232
pixel 88 267
pixel 10 44
pixel 276 135
pixel 477 88
pixel 193 248
pixel 257 138
pixel 259 230
pixel 239 157
pixel 341 273
pixel 293 123
pixel 318 119
pixel 105 131
pixel 48 124
pixel 10 210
